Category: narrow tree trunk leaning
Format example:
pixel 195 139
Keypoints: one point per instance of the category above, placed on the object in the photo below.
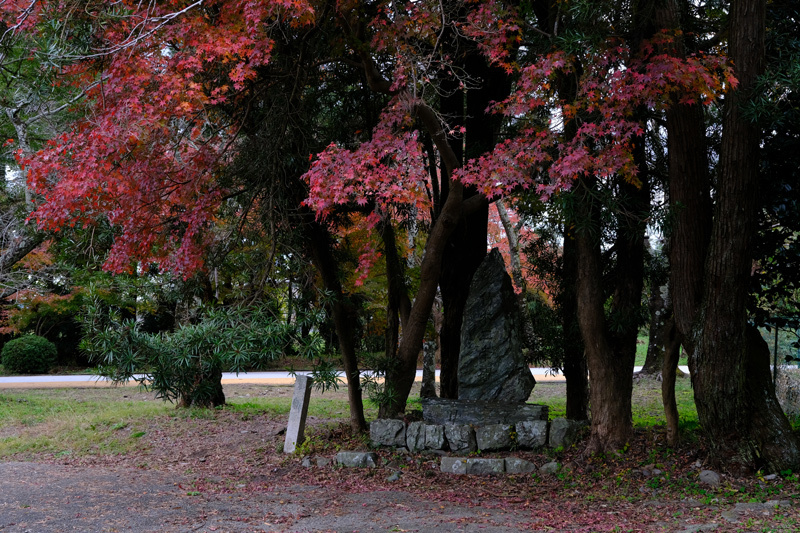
pixel 512 235
pixel 398 305
pixel 15 251
pixel 735 402
pixel 319 242
pixel 402 375
pixel 513 245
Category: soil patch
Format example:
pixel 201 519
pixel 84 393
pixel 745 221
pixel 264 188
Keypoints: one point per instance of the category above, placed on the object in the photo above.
pixel 222 470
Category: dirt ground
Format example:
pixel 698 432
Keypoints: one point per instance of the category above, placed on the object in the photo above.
pixel 225 473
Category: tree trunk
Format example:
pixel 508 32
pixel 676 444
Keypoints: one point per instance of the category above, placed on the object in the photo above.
pixel 513 246
pixel 467 246
pixel 428 388
pixel 574 366
pixel 669 373
pixel 466 249
pixel 512 235
pixel 14 253
pixel 730 374
pixel 611 375
pixel 402 375
pixel 689 194
pixel 398 305
pixel 211 382
pixel 656 347
pixel 319 242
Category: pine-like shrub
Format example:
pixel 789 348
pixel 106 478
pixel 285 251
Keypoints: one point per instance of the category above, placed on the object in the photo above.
pixel 30 354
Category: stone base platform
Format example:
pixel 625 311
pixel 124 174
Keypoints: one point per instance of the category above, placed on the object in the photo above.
pixel 480 413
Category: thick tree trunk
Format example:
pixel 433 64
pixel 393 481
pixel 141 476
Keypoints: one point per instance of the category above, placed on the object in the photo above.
pixel 320 244
pixel 465 251
pixel 735 401
pixel 467 246
pixel 611 375
pixel 574 366
pixel 689 195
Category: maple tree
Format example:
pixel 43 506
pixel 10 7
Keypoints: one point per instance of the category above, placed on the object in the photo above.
pixel 33 108
pixel 614 81
pixel 174 100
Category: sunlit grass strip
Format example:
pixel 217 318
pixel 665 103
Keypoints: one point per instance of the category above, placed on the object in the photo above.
pixel 35 423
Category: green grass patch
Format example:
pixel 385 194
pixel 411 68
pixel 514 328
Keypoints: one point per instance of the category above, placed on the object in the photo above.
pixel 38 421
pixel 642 342
pixel 319 407
pixel 648 410
pixel 647 407
pixel 641 350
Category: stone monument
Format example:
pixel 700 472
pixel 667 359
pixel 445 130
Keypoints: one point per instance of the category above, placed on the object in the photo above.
pixel 492 365
pixel 494 381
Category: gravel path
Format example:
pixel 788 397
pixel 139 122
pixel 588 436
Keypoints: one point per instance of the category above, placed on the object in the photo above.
pixel 44 498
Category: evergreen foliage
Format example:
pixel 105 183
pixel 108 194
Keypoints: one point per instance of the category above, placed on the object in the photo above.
pixel 30 354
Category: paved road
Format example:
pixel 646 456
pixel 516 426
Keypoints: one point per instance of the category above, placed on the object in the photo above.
pixel 266 378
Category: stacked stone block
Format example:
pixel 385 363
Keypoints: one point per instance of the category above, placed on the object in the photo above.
pixel 494 434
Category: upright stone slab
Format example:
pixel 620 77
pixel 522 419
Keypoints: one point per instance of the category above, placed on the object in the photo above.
pixel 295 430
pixel 491 365
pixel 415 436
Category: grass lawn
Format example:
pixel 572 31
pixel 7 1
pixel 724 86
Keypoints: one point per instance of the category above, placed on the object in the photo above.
pixel 240 445
pixel 112 421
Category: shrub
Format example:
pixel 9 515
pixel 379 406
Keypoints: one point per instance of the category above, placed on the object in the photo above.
pixel 185 366
pixel 30 354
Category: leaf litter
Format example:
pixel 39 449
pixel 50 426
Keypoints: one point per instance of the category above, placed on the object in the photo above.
pixel 232 453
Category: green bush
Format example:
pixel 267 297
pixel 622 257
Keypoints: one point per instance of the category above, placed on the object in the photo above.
pixel 30 354
pixel 185 366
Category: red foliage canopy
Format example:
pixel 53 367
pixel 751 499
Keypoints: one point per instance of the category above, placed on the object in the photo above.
pixel 148 153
